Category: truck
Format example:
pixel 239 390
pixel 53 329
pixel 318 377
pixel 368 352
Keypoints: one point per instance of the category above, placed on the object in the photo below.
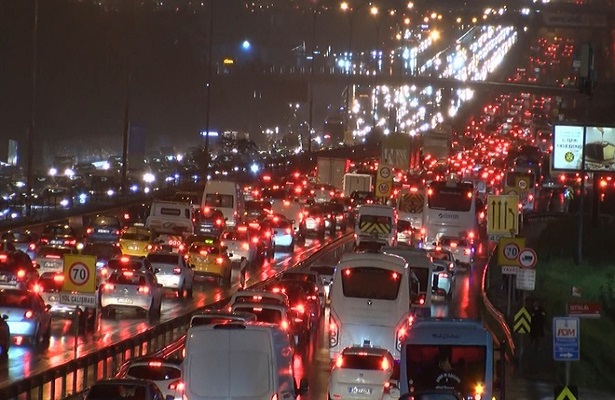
pixel 437 143
pixel 330 171
pixel 357 183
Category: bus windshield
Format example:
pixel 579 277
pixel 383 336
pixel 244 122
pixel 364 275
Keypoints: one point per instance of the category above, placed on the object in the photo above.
pixel 456 198
pixel 371 283
pixel 453 367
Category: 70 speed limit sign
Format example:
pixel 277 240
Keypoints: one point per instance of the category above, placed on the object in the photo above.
pixel 511 251
pixel 508 251
pixel 79 274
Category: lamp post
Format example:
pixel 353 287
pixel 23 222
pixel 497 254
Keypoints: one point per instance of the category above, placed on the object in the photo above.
pixel 374 12
pixel 311 85
pixel 127 99
pixel 208 83
pixel 32 123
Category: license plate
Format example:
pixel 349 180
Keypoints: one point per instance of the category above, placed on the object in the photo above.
pixel 103 231
pixel 56 242
pixel 133 248
pixel 124 301
pixel 50 265
pixel 4 278
pixel 359 390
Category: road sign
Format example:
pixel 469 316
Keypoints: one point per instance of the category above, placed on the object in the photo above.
pixel 384 181
pixel 79 274
pixel 509 250
pixel 522 321
pixel 78 299
pixel 566 338
pixel 566 393
pixel 584 310
pixel 528 258
pixel 502 214
pixel 522 183
pixel 526 279
pixel 509 270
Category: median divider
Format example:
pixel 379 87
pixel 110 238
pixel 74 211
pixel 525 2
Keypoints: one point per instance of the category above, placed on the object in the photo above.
pixel 75 376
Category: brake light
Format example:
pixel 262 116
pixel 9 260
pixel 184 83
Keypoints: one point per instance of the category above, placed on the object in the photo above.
pixel 203 252
pixel 28 314
pixel 318 220
pixel 400 335
pixel 268 234
pixel 87 231
pixel 255 240
pixel 471 235
pixel 70 242
pixel 438 248
pixel 21 274
pixel 467 252
pixel 3 257
pixel 155 364
pixel 245 246
pixel 177 270
pixel 53 256
pixel 300 308
pixel 143 289
pixel 104 271
pixel 37 288
pixel 334 332
pixel 395 275
pixel 109 287
pixel 339 362
pixel 58 278
pixel 479 389
pixel 177 385
pixel 128 273
pixel 219 222
pixel 32 246
pixel 288 231
pixel 124 259
pixel 126 216
pixel 206 210
pixel 385 365
pixel 284 324
pixel 219 260
pixel 149 247
pixel 453 245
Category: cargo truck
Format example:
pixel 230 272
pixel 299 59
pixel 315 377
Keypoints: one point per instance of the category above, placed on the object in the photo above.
pixel 330 171
pixel 357 183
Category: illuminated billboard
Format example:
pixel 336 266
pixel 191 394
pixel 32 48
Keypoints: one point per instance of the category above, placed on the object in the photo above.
pixel 599 150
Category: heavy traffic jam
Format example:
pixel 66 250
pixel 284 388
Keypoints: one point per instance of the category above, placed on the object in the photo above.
pixel 406 251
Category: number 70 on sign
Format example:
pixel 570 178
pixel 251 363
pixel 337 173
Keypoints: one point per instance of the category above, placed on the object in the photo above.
pixel 79 274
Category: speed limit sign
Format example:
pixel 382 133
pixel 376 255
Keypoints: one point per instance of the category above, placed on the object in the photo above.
pixel 511 251
pixel 79 274
pixel 508 251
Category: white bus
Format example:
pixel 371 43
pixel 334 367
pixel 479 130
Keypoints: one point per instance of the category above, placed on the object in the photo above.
pixel 370 302
pixel 448 354
pixel 450 210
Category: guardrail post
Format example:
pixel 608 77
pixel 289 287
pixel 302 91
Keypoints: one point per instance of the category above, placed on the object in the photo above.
pixel 52 386
pixel 84 378
pixel 74 373
pixel 63 385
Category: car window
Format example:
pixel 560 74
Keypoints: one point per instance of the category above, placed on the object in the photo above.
pixel 53 252
pixel 18 300
pixel 141 237
pixel 58 230
pixel 107 221
pixel 364 361
pixel 116 392
pixel 101 250
pixel 128 278
pixel 163 258
pixel 129 264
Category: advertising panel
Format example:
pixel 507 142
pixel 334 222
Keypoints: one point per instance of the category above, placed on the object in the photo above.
pixel 599 148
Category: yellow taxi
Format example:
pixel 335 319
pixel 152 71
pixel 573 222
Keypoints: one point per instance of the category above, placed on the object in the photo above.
pixel 136 241
pixel 210 259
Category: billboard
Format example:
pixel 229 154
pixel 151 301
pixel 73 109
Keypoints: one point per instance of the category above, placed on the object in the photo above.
pixel 599 149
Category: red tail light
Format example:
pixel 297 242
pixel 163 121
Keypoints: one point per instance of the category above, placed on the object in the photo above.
pixel 300 308
pixel 219 260
pixel 288 231
pixel 126 216
pixel 177 270
pixel 401 335
pixel 28 314
pixel 143 290
pixel 284 325
pixel 219 222
pixel 4 257
pixel 58 278
pixel 109 287
pixel 70 242
pixel 254 240
pixel 339 361
pixel 104 271
pixel 385 365
pixel 156 364
pixel 37 288
pixel 268 234
pixel 32 246
pixel 53 256
pixel 45 240
pixel 467 252
pixel 89 230
pixel 203 252
pixel 21 274
pixel 177 385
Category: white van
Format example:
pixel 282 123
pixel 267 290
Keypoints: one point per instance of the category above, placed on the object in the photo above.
pixel 376 223
pixel 248 361
pixel 227 197
pixel 169 217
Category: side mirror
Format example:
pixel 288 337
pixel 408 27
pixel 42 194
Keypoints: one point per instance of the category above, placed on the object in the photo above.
pixel 159 285
pixel 156 270
pixel 169 397
pixel 303 387
pixel 457 262
pixel 47 308
pixel 5 317
pixel 230 255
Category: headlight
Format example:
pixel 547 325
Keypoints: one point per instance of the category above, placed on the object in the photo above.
pixel 148 177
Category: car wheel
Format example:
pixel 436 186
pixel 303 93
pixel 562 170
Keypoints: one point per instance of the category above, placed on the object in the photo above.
pixel 190 292
pixel 181 291
pixel 227 278
pixel 46 339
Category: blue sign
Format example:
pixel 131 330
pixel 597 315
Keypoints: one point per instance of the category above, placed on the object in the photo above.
pixel 566 339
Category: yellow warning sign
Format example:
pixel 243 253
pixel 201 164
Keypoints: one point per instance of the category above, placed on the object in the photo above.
pixel 566 393
pixel 384 181
pixel 374 227
pixel 522 321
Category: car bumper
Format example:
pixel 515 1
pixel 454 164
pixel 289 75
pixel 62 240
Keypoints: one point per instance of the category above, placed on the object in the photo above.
pixel 21 328
pixel 284 240
pixel 170 281
pixel 109 300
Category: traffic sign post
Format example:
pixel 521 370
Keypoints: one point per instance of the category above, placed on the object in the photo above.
pixel 567 341
pixel 384 181
pixel 503 215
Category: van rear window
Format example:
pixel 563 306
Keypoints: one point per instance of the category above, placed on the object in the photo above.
pixel 362 361
pixel 170 211
pixel 262 314
pixel 219 200
pixel 370 283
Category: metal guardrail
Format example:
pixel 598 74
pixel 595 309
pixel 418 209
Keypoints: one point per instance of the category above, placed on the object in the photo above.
pixel 77 375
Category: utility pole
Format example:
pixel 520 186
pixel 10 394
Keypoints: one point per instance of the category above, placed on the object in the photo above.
pixel 32 123
pixel 208 83
pixel 311 86
pixel 127 97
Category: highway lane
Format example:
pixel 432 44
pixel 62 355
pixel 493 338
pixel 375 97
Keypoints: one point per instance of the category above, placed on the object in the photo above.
pixel 25 361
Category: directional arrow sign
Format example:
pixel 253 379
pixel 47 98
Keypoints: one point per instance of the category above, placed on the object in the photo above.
pixel 522 321
pixel 566 339
pixel 566 393
pixel 502 214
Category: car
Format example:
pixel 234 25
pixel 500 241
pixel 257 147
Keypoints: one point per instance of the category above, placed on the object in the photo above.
pixel 259 296
pixel 130 263
pixel 214 317
pixel 306 276
pixel 17 271
pixel 211 260
pixel 304 298
pixel 257 209
pixel 338 211
pixel 164 372
pixel 442 281
pixel 59 235
pixel 240 244
pixel 209 221
pixel 130 289
pixel 461 248
pixel 23 240
pixel 125 389
pixel 103 253
pixel 50 259
pixel 360 373
pixel 312 222
pixel 262 236
pixel 103 228
pixel 323 193
pixel 137 241
pixel 445 258
pixel 275 314
pixel 325 273
pixel 29 319
pixel 301 315
pixel 282 233
pixel 5 337
pixel 173 272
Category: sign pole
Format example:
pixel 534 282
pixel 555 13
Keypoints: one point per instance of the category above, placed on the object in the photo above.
pixel 76 322
pixel 509 295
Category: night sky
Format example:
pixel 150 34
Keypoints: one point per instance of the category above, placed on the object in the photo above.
pixel 82 53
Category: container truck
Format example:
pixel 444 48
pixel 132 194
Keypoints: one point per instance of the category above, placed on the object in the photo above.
pixel 357 183
pixel 330 171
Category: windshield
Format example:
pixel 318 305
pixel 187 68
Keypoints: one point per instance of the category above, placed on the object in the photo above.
pixel 454 198
pixel 453 367
pixel 263 314
pixel 14 300
pixel 219 200
pixel 370 283
pixel 58 230
pixel 163 258
pixel 101 250
pixel 139 237
pixel 106 221
pixel 127 278
pixel 116 391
